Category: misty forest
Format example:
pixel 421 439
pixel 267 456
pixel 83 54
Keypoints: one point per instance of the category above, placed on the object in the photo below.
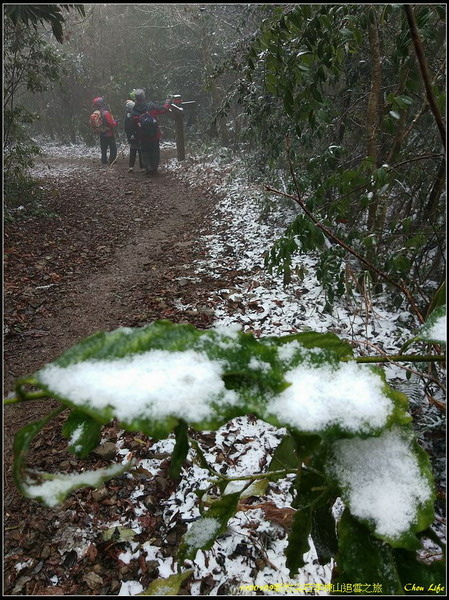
pixel 225 346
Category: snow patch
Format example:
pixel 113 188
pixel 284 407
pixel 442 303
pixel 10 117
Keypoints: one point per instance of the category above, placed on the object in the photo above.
pixel 151 385
pixel 349 396
pixel 201 532
pixel 383 479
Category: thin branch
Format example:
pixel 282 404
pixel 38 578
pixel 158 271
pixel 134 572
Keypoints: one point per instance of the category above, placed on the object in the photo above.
pixel 414 358
pixel 257 476
pixel 30 396
pixel 419 50
pixel 329 234
pixel 402 366
pixel 422 157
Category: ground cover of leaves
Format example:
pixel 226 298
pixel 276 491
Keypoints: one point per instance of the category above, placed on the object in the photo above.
pixel 115 249
pixel 110 249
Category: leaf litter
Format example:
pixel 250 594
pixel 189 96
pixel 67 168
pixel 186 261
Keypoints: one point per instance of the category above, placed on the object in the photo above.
pixel 146 511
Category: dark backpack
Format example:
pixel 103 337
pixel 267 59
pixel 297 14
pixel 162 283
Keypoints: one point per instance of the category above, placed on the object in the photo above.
pixel 129 126
pixel 147 125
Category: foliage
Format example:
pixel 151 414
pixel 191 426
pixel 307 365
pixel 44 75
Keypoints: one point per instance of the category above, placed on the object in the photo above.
pixel 261 73
pixel 43 13
pixel 253 375
pixel 375 179
pixel 311 74
pixel 30 65
pixel 164 49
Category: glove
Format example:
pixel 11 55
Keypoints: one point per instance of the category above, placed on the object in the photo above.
pixel 168 101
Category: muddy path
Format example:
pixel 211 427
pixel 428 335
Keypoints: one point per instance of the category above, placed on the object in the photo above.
pixel 111 249
pixel 114 243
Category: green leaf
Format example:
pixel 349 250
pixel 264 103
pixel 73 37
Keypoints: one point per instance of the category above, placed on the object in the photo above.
pixel 124 342
pixel 387 483
pixel 202 533
pixel 419 578
pixel 54 488
pixel 311 494
pixel 400 414
pixel 22 441
pixel 311 489
pixel 307 445
pixel 116 350
pixel 329 342
pixel 169 586
pixel 180 450
pixel 439 299
pixel 324 533
pixel 417 241
pixel 288 101
pixel 200 455
pixel 284 457
pixel 247 489
pixel 83 433
pixel 364 561
pixel 434 329
pixel 119 534
pixel 402 101
pixel 298 540
pixel 401 263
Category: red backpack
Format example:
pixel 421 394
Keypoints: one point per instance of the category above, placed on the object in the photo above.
pixel 96 122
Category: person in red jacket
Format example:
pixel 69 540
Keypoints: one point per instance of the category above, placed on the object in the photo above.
pixel 107 135
pixel 148 135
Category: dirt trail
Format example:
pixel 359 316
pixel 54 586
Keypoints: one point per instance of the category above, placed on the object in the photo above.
pixel 111 249
pixel 119 250
pixel 118 242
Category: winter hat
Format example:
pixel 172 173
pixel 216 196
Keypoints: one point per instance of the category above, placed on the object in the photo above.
pixel 98 101
pixel 140 95
pixel 132 95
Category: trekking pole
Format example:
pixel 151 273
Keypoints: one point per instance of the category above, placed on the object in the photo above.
pixel 119 154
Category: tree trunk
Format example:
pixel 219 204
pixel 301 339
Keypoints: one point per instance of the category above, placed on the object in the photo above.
pixel 435 193
pixel 218 128
pixel 372 117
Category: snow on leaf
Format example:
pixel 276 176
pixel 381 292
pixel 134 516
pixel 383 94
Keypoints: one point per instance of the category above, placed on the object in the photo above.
pixel 55 488
pixel 435 328
pixel 152 377
pixel 387 483
pixel 349 396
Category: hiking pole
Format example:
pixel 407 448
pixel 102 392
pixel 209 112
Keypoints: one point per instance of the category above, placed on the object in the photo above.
pixel 119 154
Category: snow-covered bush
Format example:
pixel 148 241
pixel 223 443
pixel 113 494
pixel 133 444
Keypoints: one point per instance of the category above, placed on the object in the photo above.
pixel 349 438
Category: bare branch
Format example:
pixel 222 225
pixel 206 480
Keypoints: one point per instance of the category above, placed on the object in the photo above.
pixel 330 235
pixel 417 43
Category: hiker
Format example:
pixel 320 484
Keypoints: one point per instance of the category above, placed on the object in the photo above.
pixel 134 145
pixel 146 130
pixel 106 131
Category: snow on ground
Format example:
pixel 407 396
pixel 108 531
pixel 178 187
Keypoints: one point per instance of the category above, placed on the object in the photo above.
pixel 260 303
pixel 45 165
pixel 250 557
